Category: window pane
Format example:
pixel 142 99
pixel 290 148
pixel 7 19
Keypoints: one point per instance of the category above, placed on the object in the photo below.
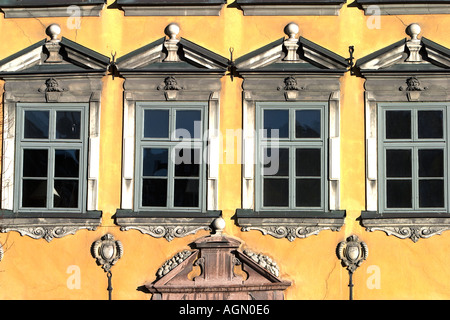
pixel 431 193
pixel 308 193
pixel 399 194
pixel 68 124
pixel 67 163
pixel 308 162
pixel 154 192
pixel 186 193
pixel 431 163
pixel 34 193
pixel 276 192
pixel 35 163
pixel 156 123
pixel 276 120
pixel 188 124
pixel 430 124
pixel 398 124
pixel 36 124
pixel 65 194
pixel 398 163
pixel 307 124
pixel 155 162
pixel 276 162
pixel 187 162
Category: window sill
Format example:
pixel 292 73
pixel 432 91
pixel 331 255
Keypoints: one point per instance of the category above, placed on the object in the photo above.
pixel 406 226
pixel 168 225
pixel 171 8
pixel 48 225
pixel 290 7
pixel 390 7
pixel 38 9
pixel 289 224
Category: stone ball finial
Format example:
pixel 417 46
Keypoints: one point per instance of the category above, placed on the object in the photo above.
pixel 413 30
pixel 172 30
pixel 291 30
pixel 53 31
pixel 218 225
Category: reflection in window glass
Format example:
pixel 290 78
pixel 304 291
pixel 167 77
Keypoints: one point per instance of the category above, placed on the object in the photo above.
pixel 276 120
pixel 188 124
pixel 307 123
pixel 36 124
pixel 398 124
pixel 68 124
pixel 156 123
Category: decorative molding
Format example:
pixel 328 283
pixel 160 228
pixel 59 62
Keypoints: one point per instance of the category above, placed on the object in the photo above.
pixel 46 232
pixel 173 262
pixel 391 7
pixel 167 232
pixel 107 251
pixel 44 9
pixel 263 261
pixel 352 252
pixel 405 227
pixel 289 225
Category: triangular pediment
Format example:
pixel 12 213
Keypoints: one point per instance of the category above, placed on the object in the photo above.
pixel 291 55
pixel 54 56
pixel 171 55
pixel 413 55
pixel 218 266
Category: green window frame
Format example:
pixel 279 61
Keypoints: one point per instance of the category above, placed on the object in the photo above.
pixel 298 182
pixel 413 157
pixel 51 157
pixel 170 156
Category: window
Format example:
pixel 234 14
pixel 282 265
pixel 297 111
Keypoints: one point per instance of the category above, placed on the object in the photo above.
pixel 169 156
pixel 406 123
pixel 292 157
pixel 51 157
pixel 171 149
pixel 291 138
pixel 413 154
pixel 51 133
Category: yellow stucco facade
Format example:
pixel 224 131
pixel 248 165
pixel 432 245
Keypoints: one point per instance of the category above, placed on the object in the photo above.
pixel 395 268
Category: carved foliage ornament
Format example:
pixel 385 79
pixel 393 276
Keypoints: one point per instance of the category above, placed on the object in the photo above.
pixel 290 233
pixel 173 262
pixel 352 252
pixel 107 251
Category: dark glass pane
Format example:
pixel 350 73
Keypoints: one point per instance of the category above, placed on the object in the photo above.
pixel 155 162
pixel 276 162
pixel 431 163
pixel 430 124
pixel 308 193
pixel 188 124
pixel 308 162
pixel 276 193
pixel 398 124
pixel 398 163
pixel 35 163
pixel 276 120
pixel 154 192
pixel 187 162
pixel 307 124
pixel 398 194
pixel 186 193
pixel 36 124
pixel 34 193
pixel 67 163
pixel 68 125
pixel 156 123
pixel 431 193
pixel 65 194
